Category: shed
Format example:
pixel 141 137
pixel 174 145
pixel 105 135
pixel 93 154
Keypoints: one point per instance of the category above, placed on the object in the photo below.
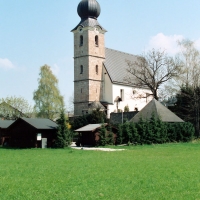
pixel 24 131
pixel 89 134
pixel 159 111
pixel 4 137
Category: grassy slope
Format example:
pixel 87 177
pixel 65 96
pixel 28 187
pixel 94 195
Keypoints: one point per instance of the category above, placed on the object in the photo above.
pixel 143 172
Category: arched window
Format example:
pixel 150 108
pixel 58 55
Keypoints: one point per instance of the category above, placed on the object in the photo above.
pixel 97 69
pixel 81 69
pixel 97 40
pixel 81 40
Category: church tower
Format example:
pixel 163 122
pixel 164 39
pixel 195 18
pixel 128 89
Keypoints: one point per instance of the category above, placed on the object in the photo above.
pixel 89 55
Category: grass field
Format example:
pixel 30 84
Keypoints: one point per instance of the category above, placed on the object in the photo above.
pixel 170 171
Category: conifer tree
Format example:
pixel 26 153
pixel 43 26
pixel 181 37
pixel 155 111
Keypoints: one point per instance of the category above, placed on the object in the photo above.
pixel 109 139
pixel 102 135
pixel 127 133
pixel 63 134
pixel 119 139
pixel 134 132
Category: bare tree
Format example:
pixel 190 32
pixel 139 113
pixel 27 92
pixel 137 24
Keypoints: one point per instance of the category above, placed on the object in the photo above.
pixel 190 78
pixel 151 70
pixel 190 58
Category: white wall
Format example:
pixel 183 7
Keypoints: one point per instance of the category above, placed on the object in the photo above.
pixel 137 100
pixel 111 91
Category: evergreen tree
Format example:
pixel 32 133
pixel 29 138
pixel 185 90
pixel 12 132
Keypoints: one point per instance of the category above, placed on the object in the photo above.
pixel 119 139
pixel 127 133
pixel 134 132
pixel 141 128
pixel 102 135
pixel 109 138
pixel 48 101
pixel 63 134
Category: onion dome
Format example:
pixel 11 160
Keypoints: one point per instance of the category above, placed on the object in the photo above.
pixel 89 9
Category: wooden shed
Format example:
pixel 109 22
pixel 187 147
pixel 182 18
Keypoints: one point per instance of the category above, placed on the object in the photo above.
pixel 4 136
pixel 24 132
pixel 89 135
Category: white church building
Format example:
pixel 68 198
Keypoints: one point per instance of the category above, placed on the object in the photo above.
pixel 99 72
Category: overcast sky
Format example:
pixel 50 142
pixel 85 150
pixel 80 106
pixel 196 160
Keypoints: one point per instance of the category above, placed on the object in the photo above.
pixel 37 32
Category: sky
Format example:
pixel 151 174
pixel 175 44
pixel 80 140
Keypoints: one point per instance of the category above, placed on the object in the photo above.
pixel 38 32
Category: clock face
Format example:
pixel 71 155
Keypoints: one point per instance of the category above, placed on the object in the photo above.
pixel 80 29
pixel 96 30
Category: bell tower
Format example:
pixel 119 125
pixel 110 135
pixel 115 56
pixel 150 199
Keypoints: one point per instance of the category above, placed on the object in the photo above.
pixel 89 55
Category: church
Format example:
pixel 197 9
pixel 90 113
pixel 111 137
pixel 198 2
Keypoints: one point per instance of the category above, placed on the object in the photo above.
pixel 99 72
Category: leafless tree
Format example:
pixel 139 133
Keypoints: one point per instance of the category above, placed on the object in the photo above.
pixel 190 58
pixel 190 79
pixel 151 70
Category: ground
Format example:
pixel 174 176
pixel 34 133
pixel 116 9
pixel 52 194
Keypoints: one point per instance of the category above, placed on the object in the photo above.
pixel 169 171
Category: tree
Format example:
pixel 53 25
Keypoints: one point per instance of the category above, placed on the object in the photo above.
pixel 63 133
pixel 188 106
pixel 13 107
pixel 48 101
pixel 188 98
pixel 190 58
pixel 102 135
pixel 152 70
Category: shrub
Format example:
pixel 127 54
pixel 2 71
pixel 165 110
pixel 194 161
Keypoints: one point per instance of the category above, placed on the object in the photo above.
pixel 102 135
pixel 119 138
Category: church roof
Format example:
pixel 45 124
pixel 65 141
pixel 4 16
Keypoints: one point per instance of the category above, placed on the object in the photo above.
pixel 89 22
pixel 116 65
pixel 89 10
pixel 159 111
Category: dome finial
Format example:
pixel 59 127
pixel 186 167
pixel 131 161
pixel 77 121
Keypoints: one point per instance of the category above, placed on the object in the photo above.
pixel 89 9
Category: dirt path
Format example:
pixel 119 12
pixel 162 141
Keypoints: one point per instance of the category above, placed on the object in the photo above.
pixel 73 146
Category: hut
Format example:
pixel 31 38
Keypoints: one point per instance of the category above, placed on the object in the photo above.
pixel 158 110
pixel 89 134
pixel 4 137
pixel 30 133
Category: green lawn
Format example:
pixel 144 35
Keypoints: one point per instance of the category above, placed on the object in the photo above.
pixel 170 171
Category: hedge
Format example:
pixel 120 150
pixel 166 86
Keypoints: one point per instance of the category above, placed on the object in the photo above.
pixel 154 131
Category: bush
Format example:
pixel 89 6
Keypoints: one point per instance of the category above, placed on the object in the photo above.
pixel 102 135
pixel 119 138
pixel 154 131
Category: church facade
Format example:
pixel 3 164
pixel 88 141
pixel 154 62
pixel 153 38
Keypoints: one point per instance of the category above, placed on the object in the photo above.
pixel 99 72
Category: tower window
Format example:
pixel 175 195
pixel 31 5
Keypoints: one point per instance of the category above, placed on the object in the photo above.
pixel 81 69
pixel 97 40
pixel 97 69
pixel 81 40
pixel 81 90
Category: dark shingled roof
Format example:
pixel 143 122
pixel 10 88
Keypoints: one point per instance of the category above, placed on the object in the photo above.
pixel 116 65
pixel 41 123
pixel 89 22
pixel 156 108
pixel 5 123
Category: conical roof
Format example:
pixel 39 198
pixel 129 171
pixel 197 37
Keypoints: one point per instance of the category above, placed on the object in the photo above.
pixel 156 108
